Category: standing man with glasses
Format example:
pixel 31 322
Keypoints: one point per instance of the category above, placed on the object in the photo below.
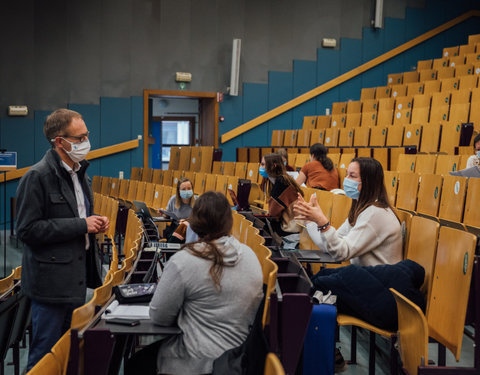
pixel 56 224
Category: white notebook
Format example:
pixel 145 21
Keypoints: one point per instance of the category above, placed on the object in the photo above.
pixel 115 310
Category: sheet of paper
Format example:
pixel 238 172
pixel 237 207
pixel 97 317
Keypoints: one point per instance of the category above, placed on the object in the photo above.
pixel 115 310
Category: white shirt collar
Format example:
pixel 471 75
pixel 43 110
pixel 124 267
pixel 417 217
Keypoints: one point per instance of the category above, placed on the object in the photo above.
pixel 76 167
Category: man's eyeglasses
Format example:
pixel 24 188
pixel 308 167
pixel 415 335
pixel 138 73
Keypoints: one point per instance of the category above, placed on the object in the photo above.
pixel 79 138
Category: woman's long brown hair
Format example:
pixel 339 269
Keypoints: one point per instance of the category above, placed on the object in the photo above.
pixel 276 169
pixel 373 190
pixel 211 218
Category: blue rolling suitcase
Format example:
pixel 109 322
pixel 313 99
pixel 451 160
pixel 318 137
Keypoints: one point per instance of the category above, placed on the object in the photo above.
pixel 319 345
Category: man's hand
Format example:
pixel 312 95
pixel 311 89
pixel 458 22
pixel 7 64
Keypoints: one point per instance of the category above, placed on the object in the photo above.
pixel 97 224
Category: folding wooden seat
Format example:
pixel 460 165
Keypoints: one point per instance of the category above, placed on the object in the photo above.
pixel 136 173
pixel 475 98
pixel 467 82
pixel 290 138
pixel 105 185
pixel 429 87
pixel 424 64
pixel 184 161
pixel 345 160
pixel 386 104
pixel 369 119
pixel 426 163
pixel 232 184
pixel 206 156
pixel 176 176
pixel 381 155
pixel 323 122
pixel 217 167
pixel 474 39
pixel 447 163
pixel 211 182
pixel 378 135
pixel 168 177
pixel 395 79
pixel 415 88
pixel 353 120
pixel 141 187
pixel 430 137
pixel 149 193
pixel 361 136
pixel 459 113
pixel 452 201
pixel 450 138
pixel 383 92
pixel 309 122
pixel 147 174
pixel 252 171
pixel 407 191
pixel 440 107
pixel 338 121
pixel 367 93
pixel 427 75
pixel 451 282
pixel 440 63
pixel 339 108
pixel 403 111
pixel 221 184
pixel 253 155
pixel 370 105
pixel 240 169
pixel 277 138
pixel 395 152
pixel 395 136
pixel 303 137
pixel 335 158
pixel 420 115
pixel 472 214
pixel 429 191
pixel 364 152
pixel 391 185
pixel 345 137
pixel 410 77
pixel 406 162
pixel 463 70
pixel 466 48
pixel 301 160
pixel 412 135
pixel 195 158
pixel 331 137
pixel 354 106
pixel 422 101
pixel 265 151
pixel 460 96
pixel 412 334
pixel 476 69
pixel 123 189
pixel 399 90
pixel 456 60
pixel 449 84
pixel 385 118
pixel 472 58
pixel 228 168
pixel 317 136
pixel 157 176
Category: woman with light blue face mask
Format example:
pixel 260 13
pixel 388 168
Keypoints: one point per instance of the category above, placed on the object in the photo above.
pixel 371 235
pixel 182 202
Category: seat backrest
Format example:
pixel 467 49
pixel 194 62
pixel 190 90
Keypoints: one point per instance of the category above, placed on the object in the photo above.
pixel 391 185
pixel 7 282
pixel 453 198
pixel 270 270
pixel 83 314
pixel 429 191
pixel 412 334
pixel 472 214
pixel 407 191
pixel 425 163
pixel 406 162
pixel 422 248
pixel 61 351
pixel 340 207
pixel 136 173
pixel 406 223
pixel 47 365
pixel 447 163
pixel 103 293
pixel 273 366
pixel 451 286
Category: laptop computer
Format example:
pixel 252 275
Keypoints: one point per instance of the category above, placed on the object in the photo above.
pixel 309 256
pixel 141 208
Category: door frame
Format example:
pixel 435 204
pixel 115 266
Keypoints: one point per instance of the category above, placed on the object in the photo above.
pixel 211 99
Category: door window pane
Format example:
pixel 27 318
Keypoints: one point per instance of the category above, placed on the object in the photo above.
pixel 175 133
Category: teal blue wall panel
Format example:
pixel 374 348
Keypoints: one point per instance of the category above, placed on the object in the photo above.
pixel 350 58
pixel 328 67
pixel 136 155
pixel 371 48
pixel 255 103
pixel 232 110
pixel 414 26
pixel 304 79
pixel 41 144
pixel 115 117
pixel 280 91
pixel 394 36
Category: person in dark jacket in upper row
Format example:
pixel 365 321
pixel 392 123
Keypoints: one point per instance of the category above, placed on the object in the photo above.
pixel 56 225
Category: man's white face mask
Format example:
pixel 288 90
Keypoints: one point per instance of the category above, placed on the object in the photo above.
pixel 78 151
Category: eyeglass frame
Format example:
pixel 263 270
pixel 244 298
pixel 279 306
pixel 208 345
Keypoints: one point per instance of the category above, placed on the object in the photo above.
pixel 79 138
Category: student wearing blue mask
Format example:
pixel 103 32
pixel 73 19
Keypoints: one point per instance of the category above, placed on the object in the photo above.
pixel 474 160
pixel 182 202
pixel 371 235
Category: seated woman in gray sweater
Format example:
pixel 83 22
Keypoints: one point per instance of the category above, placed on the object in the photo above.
pixel 211 290
pixel 182 202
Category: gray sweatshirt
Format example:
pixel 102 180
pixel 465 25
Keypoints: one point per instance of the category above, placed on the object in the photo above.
pixel 211 321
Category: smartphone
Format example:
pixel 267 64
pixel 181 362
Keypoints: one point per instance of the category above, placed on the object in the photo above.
pixel 124 322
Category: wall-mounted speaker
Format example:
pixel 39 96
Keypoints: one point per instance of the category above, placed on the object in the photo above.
pixel 378 21
pixel 235 72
